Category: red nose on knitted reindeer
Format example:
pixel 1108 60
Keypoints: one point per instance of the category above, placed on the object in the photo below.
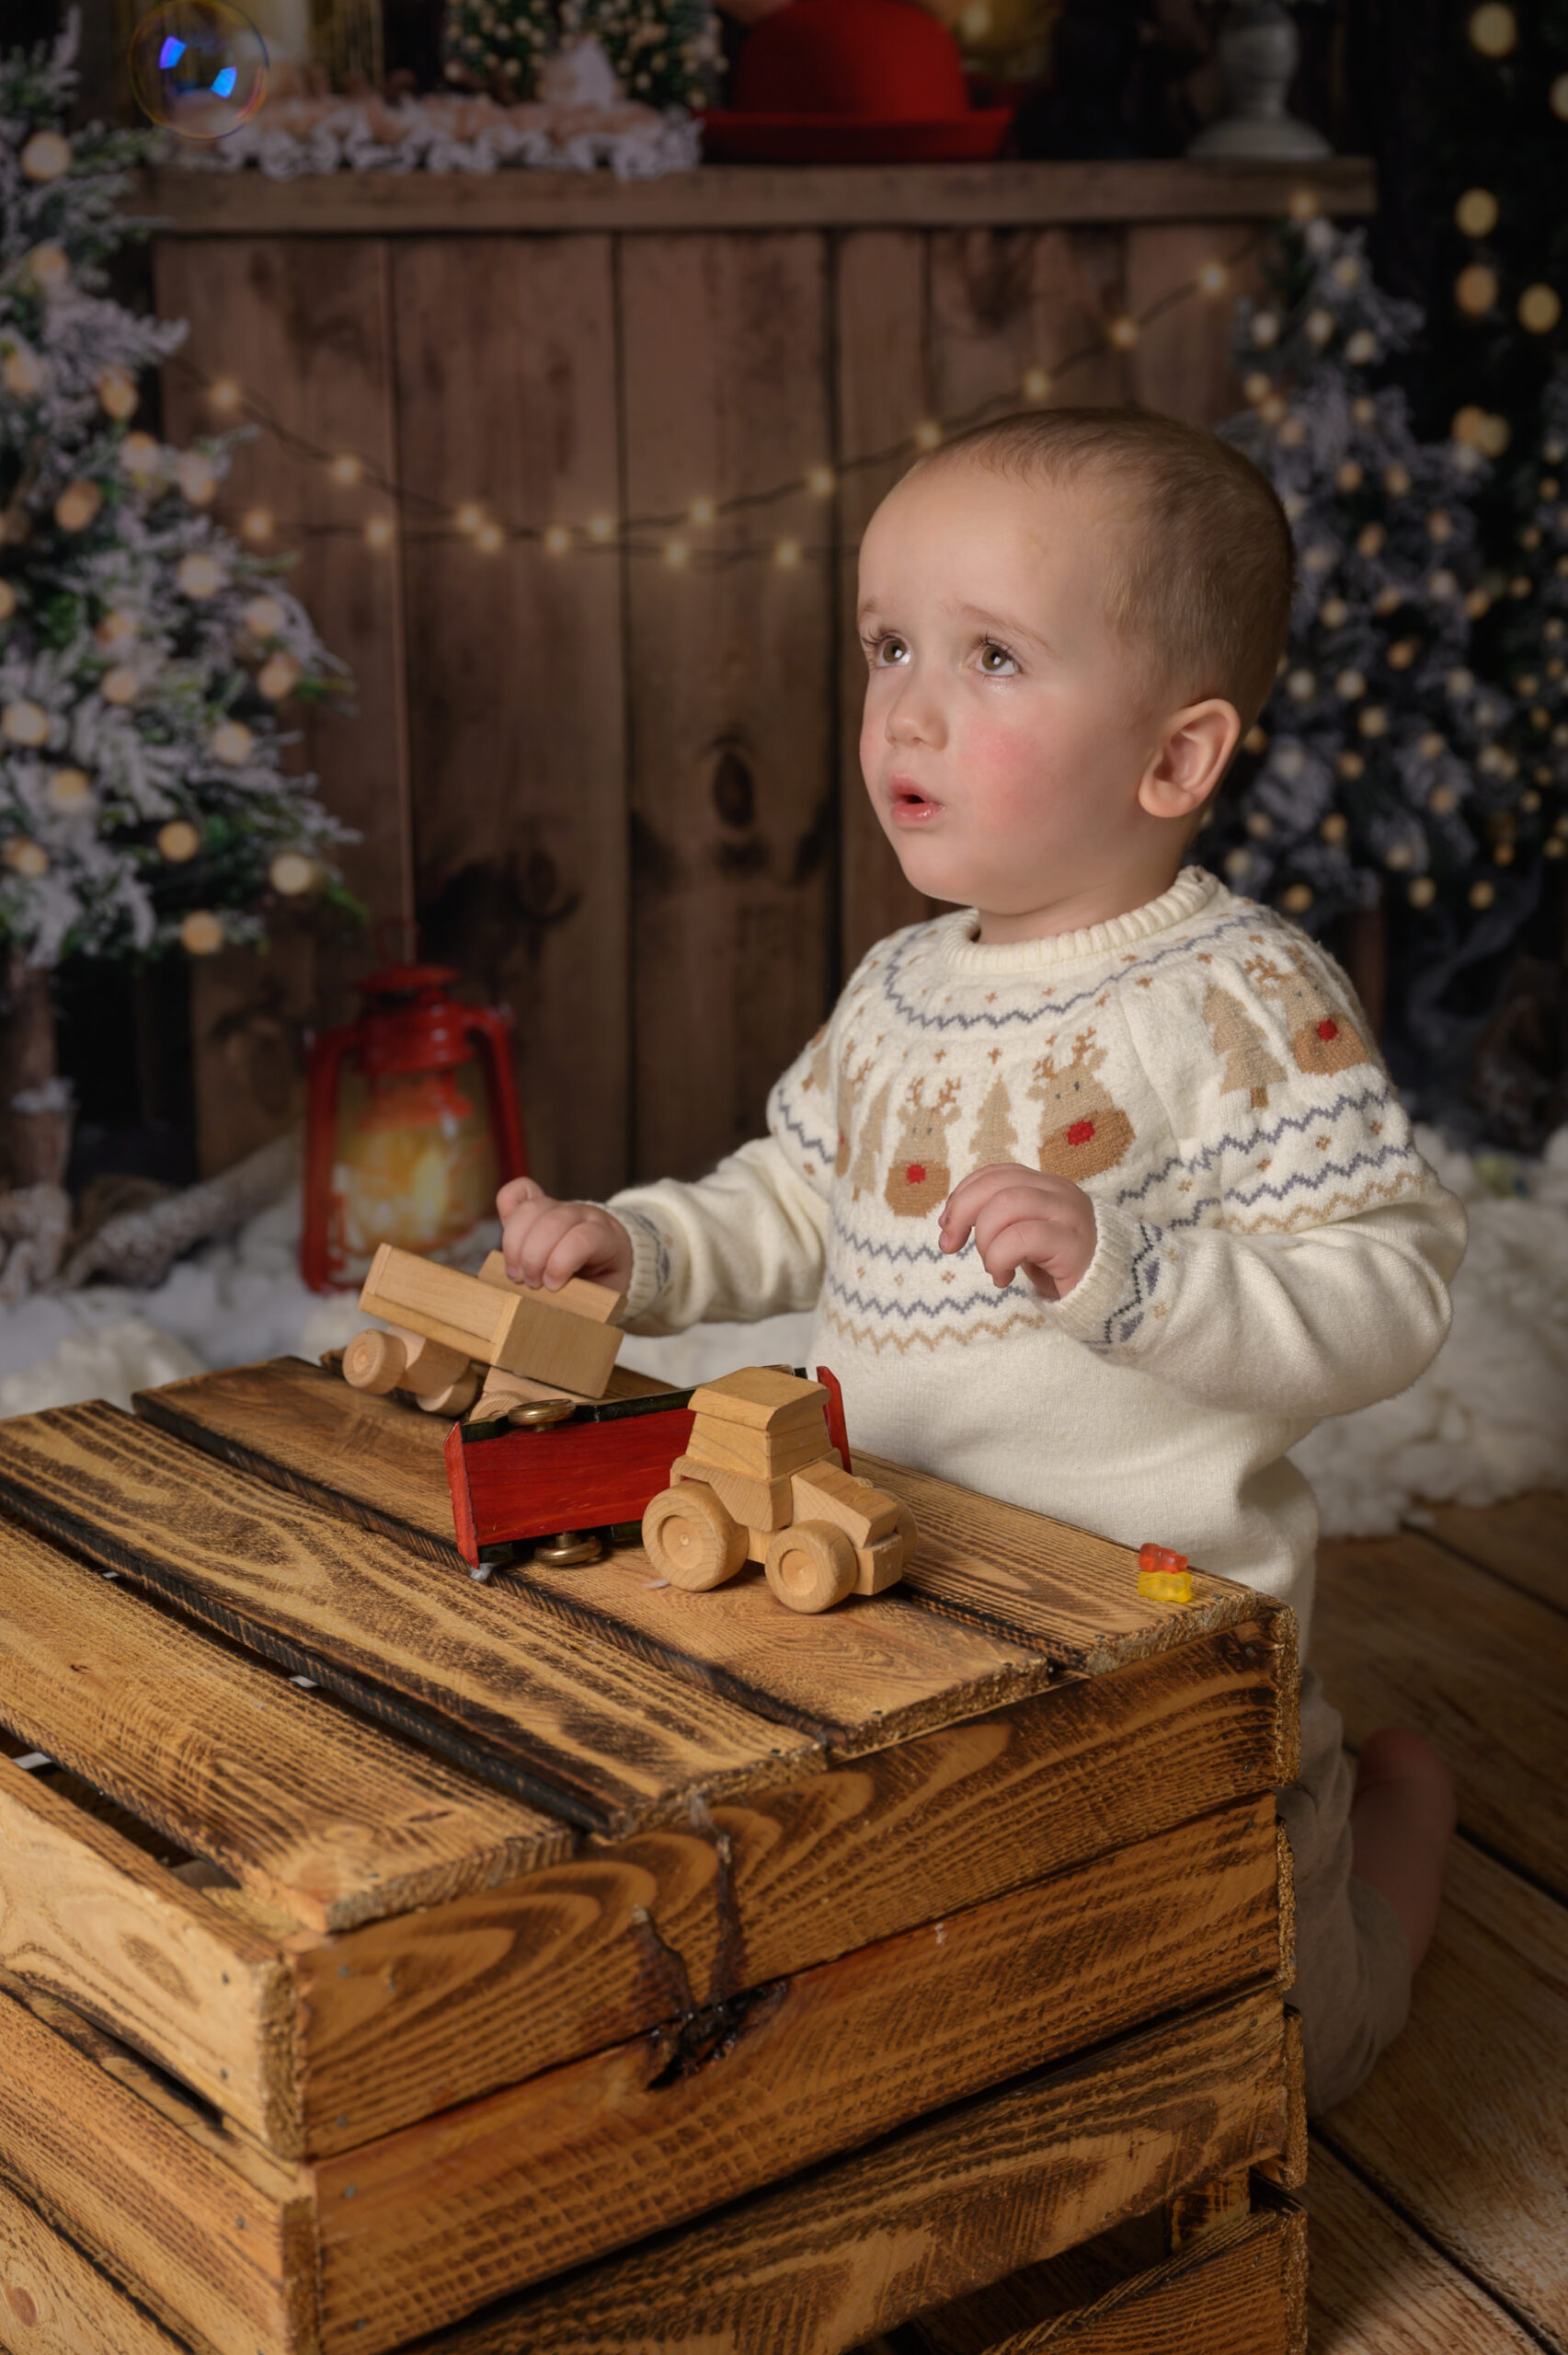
pixel 920 1176
pixel 1323 1036
pixel 1082 1131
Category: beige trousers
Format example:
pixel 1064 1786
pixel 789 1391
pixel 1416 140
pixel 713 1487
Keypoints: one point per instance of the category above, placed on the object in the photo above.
pixel 1352 1960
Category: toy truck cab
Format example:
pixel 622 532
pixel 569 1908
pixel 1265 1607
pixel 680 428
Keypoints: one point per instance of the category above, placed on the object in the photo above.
pixel 759 1483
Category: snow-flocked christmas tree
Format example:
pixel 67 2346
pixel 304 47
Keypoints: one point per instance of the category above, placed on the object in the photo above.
pixel 144 658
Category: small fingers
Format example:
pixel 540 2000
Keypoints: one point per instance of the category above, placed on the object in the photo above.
pixel 582 1246
pixel 514 1193
pixel 539 1238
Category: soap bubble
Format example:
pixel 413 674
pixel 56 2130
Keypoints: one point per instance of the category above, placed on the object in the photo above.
pixel 198 67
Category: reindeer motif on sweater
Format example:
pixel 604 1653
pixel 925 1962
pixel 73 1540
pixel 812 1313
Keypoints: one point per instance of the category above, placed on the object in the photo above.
pixel 921 1177
pixel 1323 1036
pixel 1083 1132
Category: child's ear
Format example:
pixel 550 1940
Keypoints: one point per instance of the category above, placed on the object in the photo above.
pixel 1194 755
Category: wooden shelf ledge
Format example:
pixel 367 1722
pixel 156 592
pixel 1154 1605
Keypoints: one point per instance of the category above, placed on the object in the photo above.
pixel 730 196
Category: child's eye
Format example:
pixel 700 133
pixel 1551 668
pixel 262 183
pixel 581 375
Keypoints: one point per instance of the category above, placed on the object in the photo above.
pixel 996 662
pixel 886 652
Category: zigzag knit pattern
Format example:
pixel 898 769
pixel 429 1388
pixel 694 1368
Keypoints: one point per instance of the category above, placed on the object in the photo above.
pixel 1200 1063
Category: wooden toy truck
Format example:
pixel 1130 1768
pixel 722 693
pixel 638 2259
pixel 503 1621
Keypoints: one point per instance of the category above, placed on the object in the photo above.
pixel 758 1484
pixel 459 1341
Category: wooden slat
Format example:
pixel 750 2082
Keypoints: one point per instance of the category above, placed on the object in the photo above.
pixel 731 675
pixel 1241 2291
pixel 1524 1540
pixel 1376 2288
pixel 868 1674
pixel 745 197
pixel 1182 363
pixel 1464 2123
pixel 1007 299
pixel 880 305
pixel 55 2300
pixel 334 1821
pixel 488 1678
pixel 160 2199
pixel 859 2246
pixel 1408 1633
pixel 413 2016
pixel 1072 1593
pixel 372 1460
pixel 88 1916
pixel 529 2181
pixel 306 330
pixel 515 668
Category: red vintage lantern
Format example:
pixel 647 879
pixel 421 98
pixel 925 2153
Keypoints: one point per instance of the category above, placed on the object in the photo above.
pixel 411 1125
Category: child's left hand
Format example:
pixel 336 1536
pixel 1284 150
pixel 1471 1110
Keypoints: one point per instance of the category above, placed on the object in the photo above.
pixel 1022 1219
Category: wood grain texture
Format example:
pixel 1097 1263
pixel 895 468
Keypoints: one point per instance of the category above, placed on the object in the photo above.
pixel 748 196
pixel 862 2245
pixel 215 2249
pixel 301 1427
pixel 1072 1593
pixel 731 670
pixel 1004 300
pixel 55 2300
pixel 1241 2291
pixel 531 2181
pixel 1182 363
pixel 87 1916
pixel 333 1819
pixel 307 329
pixel 1524 1540
pixel 518 733
pixel 487 1678
pixel 1376 2288
pixel 1464 2123
pixel 870 1672
pixel 1408 1633
pixel 881 328
pixel 413 2016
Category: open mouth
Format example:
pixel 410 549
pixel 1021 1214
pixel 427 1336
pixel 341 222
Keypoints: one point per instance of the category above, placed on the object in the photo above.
pixel 908 805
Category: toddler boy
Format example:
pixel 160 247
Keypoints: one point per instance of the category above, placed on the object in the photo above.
pixel 1097 1187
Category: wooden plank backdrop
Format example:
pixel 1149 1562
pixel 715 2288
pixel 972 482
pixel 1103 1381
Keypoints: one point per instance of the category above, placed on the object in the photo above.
pixel 623 795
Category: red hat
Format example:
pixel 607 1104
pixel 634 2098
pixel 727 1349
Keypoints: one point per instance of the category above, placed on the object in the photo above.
pixel 851 81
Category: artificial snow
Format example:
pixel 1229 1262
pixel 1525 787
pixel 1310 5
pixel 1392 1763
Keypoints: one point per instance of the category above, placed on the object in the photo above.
pixel 1488 1420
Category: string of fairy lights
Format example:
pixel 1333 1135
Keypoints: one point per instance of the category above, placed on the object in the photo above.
pixel 675 537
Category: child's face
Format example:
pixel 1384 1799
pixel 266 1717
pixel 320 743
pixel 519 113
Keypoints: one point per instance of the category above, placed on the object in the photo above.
pixel 1007 731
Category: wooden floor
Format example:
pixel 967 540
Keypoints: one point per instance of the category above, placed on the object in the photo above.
pixel 1440 2192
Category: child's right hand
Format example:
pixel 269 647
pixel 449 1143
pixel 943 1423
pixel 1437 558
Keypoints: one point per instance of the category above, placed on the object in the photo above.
pixel 545 1243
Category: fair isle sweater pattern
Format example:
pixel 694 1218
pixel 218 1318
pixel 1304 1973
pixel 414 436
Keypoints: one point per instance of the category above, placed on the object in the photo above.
pixel 1216 1074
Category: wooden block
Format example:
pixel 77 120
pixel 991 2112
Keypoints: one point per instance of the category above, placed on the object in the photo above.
pixel 522 1331
pixel 583 1298
pixel 880 1566
pixel 759 1398
pixel 758 1456
pixel 823 1492
pixel 87 1913
pixel 871 2240
pixel 762 1505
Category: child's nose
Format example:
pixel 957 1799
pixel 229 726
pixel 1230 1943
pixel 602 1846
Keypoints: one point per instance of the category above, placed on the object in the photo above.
pixel 916 716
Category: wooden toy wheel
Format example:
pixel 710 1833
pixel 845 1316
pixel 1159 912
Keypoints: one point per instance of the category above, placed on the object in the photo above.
pixel 374 1362
pixel 811 1565
pixel 691 1539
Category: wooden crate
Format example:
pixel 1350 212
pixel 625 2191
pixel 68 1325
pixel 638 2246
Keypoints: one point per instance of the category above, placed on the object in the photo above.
pixel 571 1963
pixel 627 801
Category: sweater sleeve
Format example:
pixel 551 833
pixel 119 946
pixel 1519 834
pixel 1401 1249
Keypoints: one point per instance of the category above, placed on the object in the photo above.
pixel 748 1240
pixel 1309 1263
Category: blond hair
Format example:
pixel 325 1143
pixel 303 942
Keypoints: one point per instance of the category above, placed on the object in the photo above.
pixel 1204 576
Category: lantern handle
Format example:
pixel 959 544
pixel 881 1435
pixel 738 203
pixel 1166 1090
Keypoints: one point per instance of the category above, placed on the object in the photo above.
pixel 491 1028
pixel 321 1140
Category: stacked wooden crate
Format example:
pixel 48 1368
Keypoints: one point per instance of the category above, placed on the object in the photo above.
pixel 573 1962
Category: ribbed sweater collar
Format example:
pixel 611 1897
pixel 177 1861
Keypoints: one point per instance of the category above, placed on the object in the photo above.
pixel 955 943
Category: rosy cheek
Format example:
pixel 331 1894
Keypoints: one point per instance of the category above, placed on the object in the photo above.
pixel 1007 769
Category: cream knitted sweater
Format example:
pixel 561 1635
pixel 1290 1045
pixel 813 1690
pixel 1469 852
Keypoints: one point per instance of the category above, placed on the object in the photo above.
pixel 1271 1246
